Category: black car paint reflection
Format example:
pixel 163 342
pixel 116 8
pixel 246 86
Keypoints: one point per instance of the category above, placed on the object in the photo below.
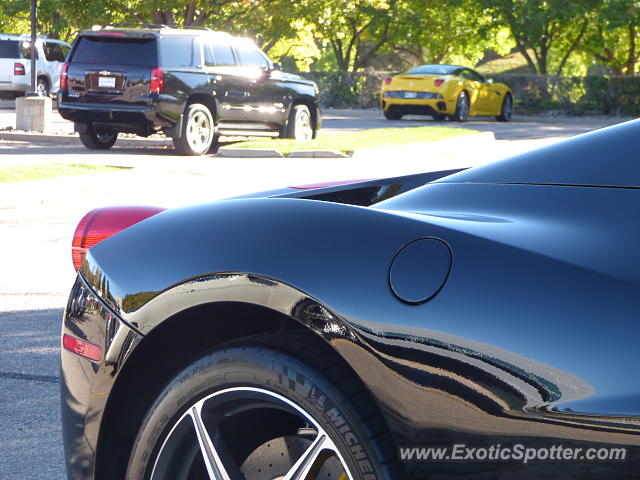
pixel 533 339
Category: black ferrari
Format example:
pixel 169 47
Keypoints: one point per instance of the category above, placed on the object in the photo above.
pixel 482 324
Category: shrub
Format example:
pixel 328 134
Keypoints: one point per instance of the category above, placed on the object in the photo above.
pixel 532 93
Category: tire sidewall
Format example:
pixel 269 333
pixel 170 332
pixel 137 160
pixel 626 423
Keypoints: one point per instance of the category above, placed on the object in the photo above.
pixel 260 368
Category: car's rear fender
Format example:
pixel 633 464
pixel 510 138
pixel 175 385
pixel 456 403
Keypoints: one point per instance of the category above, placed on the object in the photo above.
pixel 477 358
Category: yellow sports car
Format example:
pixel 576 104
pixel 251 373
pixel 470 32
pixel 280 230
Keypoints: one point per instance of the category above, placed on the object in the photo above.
pixel 445 91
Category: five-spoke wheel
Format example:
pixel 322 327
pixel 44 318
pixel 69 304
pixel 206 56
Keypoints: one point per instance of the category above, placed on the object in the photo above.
pixel 198 134
pixel 198 441
pixel 462 108
pixel 300 125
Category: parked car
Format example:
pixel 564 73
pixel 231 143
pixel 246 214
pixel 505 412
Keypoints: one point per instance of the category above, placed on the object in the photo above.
pixel 443 91
pixel 310 332
pixel 15 64
pixel 192 84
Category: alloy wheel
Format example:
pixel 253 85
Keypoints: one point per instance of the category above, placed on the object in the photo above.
pixel 303 127
pixel 199 131
pixel 207 441
pixel 463 107
pixel 42 88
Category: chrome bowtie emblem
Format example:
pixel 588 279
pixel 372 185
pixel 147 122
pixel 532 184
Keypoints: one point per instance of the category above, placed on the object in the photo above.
pixel 411 84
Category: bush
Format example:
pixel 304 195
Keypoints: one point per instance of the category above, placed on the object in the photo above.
pixel 532 93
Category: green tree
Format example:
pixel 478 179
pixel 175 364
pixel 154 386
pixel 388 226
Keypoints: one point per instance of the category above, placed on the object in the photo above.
pixel 430 31
pixel 15 18
pixel 614 37
pixel 551 29
pixel 355 30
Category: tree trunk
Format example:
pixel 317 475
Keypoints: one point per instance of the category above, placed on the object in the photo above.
pixel 632 58
pixel 571 48
pixel 189 14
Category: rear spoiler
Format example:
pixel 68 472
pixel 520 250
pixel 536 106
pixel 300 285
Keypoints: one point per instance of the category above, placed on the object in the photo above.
pixel 356 192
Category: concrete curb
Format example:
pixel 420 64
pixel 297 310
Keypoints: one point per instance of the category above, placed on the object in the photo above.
pixel 74 140
pixel 248 153
pixel 320 154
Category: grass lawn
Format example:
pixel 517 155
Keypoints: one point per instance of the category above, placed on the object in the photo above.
pixel 512 63
pixel 18 173
pixel 347 142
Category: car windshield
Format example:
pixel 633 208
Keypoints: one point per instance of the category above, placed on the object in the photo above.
pixel 433 69
pixel 116 51
pixel 10 49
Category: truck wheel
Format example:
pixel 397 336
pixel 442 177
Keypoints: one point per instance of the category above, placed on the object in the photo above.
pixel 299 126
pixel 42 86
pixel 198 134
pixel 98 138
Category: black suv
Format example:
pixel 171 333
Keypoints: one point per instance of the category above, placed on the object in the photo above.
pixel 194 85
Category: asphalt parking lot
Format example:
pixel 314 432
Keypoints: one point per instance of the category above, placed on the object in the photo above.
pixel 344 120
pixel 37 219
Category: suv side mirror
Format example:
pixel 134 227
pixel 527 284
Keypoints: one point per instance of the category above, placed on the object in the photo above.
pixel 488 80
pixel 277 66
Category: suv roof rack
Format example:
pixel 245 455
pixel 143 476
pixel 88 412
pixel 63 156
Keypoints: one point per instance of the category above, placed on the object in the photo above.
pixel 22 36
pixel 149 25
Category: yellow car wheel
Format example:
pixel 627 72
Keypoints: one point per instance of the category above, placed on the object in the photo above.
pixel 507 109
pixel 462 107
pixel 392 115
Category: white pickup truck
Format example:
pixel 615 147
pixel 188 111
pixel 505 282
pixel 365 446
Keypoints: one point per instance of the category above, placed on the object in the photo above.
pixel 15 64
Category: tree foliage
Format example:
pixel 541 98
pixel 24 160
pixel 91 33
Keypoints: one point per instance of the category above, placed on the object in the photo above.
pixel 613 38
pixel 353 35
pixel 551 29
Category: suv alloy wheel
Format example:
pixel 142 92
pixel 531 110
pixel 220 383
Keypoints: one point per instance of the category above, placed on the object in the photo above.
pixel 198 134
pixel 299 126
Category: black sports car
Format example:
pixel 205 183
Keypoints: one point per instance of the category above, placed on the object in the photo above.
pixel 478 324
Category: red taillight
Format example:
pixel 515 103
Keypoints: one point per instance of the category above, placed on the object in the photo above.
pixel 439 82
pixel 64 75
pixel 387 80
pixel 82 348
pixel 102 223
pixel 157 80
pixel 18 69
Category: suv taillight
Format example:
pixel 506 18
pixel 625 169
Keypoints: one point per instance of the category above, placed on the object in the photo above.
pixel 18 69
pixel 64 75
pixel 157 80
pixel 101 223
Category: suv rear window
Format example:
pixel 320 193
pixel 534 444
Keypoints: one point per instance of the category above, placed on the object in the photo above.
pixel 116 51
pixel 10 49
